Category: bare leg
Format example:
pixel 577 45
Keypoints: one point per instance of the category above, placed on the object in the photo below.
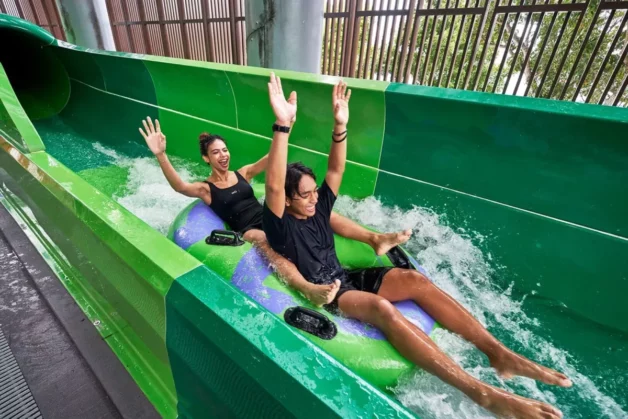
pixel 317 294
pixel 380 242
pixel 417 347
pixel 401 284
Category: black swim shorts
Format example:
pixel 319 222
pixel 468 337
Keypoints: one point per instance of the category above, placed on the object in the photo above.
pixel 367 280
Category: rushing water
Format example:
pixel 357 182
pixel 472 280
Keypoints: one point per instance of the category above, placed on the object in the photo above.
pixel 455 262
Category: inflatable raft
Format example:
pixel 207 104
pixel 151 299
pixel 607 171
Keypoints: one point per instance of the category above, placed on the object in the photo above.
pixel 359 346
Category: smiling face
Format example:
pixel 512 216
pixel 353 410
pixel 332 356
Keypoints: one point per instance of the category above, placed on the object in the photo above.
pixel 303 203
pixel 218 156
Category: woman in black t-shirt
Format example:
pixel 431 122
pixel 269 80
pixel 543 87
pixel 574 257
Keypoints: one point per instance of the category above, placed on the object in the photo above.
pixel 231 196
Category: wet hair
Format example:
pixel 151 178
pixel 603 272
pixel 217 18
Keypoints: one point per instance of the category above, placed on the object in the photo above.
pixel 206 139
pixel 293 176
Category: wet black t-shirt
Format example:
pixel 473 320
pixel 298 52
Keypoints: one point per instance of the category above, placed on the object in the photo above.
pixel 308 243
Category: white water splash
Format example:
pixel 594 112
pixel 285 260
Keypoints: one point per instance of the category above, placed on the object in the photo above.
pixel 458 267
pixel 453 262
pixel 147 194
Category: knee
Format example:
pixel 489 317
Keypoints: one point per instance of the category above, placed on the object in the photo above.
pixel 420 279
pixel 385 312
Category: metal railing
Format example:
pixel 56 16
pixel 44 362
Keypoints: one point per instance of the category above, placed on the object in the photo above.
pixel 40 12
pixel 209 30
pixel 561 49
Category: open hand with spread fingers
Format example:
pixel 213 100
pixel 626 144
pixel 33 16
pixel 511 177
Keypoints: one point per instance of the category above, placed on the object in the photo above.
pixel 155 139
pixel 340 103
pixel 285 110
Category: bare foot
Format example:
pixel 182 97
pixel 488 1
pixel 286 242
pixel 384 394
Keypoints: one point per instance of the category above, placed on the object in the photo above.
pixel 512 364
pixel 508 405
pixel 322 294
pixel 382 243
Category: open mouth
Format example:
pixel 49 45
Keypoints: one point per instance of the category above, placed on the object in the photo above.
pixel 224 163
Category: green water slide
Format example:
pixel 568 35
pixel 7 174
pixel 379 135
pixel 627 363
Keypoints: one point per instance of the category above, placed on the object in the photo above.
pixel 543 183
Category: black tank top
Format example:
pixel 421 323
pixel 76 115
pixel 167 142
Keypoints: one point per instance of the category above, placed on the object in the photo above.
pixel 237 205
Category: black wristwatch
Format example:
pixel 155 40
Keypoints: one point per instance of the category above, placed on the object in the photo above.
pixel 281 128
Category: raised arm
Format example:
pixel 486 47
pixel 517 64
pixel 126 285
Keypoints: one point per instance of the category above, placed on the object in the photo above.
pixel 156 141
pixel 251 170
pixel 338 153
pixel 285 111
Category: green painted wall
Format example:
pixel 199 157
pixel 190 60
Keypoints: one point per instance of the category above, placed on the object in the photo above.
pixel 536 177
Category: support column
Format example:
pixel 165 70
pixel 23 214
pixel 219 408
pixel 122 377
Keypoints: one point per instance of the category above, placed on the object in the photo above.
pixel 86 23
pixel 285 34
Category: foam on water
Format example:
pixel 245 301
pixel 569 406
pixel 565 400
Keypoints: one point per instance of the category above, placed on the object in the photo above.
pixel 147 193
pixel 458 267
pixel 454 263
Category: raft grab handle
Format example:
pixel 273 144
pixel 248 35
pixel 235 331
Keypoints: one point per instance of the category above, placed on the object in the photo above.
pixel 224 238
pixel 310 321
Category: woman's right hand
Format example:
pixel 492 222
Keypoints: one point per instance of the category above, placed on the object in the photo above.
pixel 155 139
pixel 285 110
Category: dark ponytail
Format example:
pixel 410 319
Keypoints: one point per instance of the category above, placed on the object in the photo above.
pixel 206 139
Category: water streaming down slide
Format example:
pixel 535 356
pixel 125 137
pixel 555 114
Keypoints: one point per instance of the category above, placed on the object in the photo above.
pixel 516 204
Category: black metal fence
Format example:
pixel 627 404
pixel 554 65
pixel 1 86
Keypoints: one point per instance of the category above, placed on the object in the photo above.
pixel 561 49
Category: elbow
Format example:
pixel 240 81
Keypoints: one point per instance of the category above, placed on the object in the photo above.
pixel 273 188
pixel 337 170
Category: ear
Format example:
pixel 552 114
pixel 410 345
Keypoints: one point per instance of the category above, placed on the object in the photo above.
pixel 287 201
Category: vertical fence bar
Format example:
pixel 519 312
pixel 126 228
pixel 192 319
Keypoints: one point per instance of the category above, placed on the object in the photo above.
pixel 362 47
pixel 413 41
pixel 499 41
pixel 383 42
pixel 338 52
pixel 516 55
pixel 507 49
pixel 127 25
pixel 209 42
pixel 466 48
pixel 451 29
pixel 608 55
pixel 235 44
pixel 440 39
pixel 539 91
pixel 44 6
pixel 541 50
pixel 575 65
pixel 618 66
pixel 405 52
pixel 142 13
pixel 183 29
pixel 162 27
pixel 489 35
pixel 527 56
pixel 326 47
pixel 621 91
pixel 353 41
pixel 114 29
pixel 34 10
pixel 454 55
pixel 347 38
pixel 366 73
pixel 429 45
pixel 595 50
pixel 402 29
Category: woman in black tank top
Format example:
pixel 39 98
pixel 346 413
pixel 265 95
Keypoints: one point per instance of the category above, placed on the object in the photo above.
pixel 231 196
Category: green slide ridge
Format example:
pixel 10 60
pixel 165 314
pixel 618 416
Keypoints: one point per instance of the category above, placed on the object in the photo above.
pixel 542 182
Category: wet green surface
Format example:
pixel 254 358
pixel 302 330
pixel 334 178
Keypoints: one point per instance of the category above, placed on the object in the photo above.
pixel 503 155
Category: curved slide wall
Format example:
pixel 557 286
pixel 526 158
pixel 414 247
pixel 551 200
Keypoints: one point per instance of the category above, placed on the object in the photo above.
pixel 542 178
